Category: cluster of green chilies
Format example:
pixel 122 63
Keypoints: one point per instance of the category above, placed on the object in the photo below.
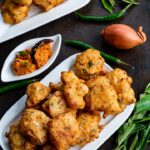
pixel 135 133
pixel 85 46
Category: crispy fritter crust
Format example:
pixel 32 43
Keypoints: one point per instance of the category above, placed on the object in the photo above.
pixel 13 13
pixel 55 105
pixel 56 87
pixel 122 84
pixel 102 96
pixel 89 64
pixel 17 141
pixel 33 125
pixel 36 93
pixel 64 131
pixel 74 90
pixel 46 5
pixel 23 2
pixel 89 125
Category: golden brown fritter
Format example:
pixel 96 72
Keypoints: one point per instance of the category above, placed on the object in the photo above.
pixel 89 125
pixel 21 67
pixel 74 90
pixel 102 96
pixel 74 93
pixel 47 4
pixel 48 147
pixel 88 64
pixel 69 76
pixel 122 84
pixel 23 2
pixel 17 141
pixel 33 125
pixel 64 130
pixel 56 87
pixel 13 13
pixel 55 105
pixel 36 93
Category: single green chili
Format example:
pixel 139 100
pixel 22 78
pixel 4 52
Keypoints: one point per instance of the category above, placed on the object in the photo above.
pixel 111 17
pixel 87 46
pixel 15 85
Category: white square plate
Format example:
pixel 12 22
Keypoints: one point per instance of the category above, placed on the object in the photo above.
pixel 38 18
pixel 111 123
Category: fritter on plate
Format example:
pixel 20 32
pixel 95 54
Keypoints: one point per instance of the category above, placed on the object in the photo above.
pixel 47 4
pixel 88 64
pixel 102 96
pixel 34 126
pixel 36 93
pixel 13 13
pixel 74 90
pixel 55 105
pixel 56 87
pixel 23 2
pixel 122 84
pixel 64 130
pixel 89 125
pixel 17 141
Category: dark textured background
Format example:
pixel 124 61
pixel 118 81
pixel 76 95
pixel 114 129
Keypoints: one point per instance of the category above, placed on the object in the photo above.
pixel 70 28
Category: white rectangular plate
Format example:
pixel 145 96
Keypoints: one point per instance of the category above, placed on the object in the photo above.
pixel 38 18
pixel 111 123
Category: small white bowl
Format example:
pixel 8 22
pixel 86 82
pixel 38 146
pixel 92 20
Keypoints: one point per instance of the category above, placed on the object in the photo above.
pixel 7 74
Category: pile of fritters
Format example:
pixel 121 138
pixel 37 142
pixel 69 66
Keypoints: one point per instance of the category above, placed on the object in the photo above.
pixel 14 11
pixel 68 113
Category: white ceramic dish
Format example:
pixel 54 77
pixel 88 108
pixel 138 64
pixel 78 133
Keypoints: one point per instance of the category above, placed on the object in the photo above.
pixel 38 18
pixel 7 74
pixel 112 123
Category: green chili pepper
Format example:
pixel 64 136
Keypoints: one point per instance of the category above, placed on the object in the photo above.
pixel 107 6
pixel 111 17
pixel 87 46
pixel 15 85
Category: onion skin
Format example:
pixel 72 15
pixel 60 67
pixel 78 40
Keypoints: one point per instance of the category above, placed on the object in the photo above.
pixel 123 37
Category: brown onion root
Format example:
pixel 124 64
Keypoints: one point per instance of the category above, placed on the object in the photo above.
pixel 141 34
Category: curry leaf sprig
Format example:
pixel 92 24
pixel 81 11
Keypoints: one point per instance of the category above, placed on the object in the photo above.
pixel 137 128
pixel 107 6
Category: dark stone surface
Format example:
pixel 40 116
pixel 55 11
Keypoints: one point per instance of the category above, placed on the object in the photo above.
pixel 70 28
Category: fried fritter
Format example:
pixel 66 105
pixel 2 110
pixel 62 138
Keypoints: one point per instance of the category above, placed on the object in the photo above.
pixel 13 13
pixel 56 87
pixel 55 105
pixel 122 84
pixel 36 93
pixel 17 141
pixel 69 76
pixel 102 96
pixel 47 4
pixel 64 130
pixel 89 125
pixel 74 90
pixel 48 147
pixel 89 64
pixel 34 125
pixel 74 93
pixel 23 2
